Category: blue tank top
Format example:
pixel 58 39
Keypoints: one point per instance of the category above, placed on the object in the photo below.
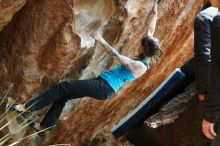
pixel 119 76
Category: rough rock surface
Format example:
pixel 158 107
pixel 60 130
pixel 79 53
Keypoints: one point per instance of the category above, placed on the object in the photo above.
pixel 7 10
pixel 47 41
pixel 37 46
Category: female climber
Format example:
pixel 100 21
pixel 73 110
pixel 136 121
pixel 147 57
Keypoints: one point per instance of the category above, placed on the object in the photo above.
pixel 100 87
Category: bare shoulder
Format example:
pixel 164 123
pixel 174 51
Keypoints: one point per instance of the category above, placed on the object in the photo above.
pixel 139 69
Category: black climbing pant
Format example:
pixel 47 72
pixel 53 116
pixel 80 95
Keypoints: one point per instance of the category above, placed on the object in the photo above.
pixel 59 94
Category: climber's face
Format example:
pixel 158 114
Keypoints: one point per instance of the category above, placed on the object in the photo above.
pixel 215 3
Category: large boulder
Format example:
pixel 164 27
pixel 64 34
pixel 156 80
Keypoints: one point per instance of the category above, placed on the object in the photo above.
pixel 48 41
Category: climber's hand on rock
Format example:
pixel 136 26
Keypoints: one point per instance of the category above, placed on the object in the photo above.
pixel 155 2
pixel 154 9
pixel 96 36
pixel 208 129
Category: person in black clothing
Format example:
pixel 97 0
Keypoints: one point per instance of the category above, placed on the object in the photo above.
pixel 202 45
pixel 206 65
pixel 211 104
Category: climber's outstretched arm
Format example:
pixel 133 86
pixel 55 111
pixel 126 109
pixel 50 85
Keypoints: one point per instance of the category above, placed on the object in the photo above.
pixel 153 21
pixel 136 67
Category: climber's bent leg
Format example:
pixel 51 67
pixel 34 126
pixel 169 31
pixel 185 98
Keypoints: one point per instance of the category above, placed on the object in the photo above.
pixel 96 88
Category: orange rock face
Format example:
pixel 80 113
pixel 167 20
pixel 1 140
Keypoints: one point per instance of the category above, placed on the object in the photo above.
pixel 38 45
pixel 7 10
pixel 48 40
